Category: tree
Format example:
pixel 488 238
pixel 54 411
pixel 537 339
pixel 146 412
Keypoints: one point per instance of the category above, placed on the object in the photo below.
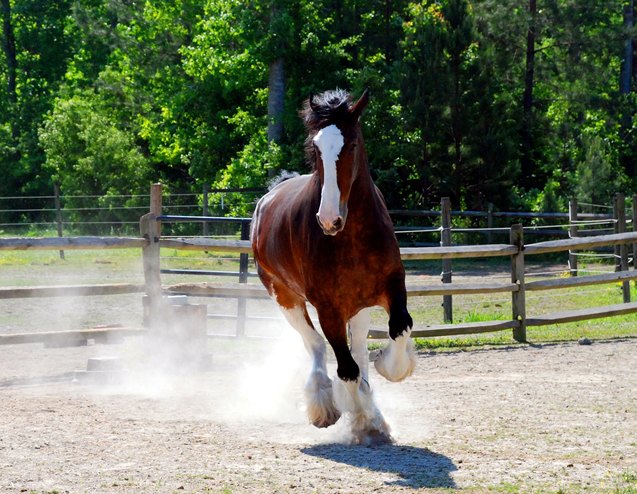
pixel 8 45
pixel 465 93
pixel 88 155
pixel 597 177
pixel 36 48
pixel 626 75
pixel 527 142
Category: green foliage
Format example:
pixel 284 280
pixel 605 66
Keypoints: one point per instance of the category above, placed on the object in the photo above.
pixel 597 174
pixel 87 153
pixel 112 94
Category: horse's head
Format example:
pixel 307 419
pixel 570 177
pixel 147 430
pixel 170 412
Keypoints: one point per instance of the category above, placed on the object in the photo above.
pixel 335 145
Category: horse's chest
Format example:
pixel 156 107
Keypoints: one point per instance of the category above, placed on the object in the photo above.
pixel 351 273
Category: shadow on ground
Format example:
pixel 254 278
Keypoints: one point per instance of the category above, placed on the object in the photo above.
pixel 415 467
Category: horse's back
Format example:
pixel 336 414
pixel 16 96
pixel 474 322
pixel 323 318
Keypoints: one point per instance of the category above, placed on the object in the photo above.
pixel 276 221
pixel 274 208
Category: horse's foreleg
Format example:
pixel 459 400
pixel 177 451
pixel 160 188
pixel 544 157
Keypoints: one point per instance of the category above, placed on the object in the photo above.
pixel 397 360
pixel 321 410
pixel 359 327
pixel 352 392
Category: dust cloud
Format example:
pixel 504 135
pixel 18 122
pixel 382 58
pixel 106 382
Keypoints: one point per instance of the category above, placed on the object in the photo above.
pixel 254 387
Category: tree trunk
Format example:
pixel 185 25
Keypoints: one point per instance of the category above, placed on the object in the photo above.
pixel 388 38
pixel 8 46
pixel 527 158
pixel 625 84
pixel 456 130
pixel 276 102
pixel 627 63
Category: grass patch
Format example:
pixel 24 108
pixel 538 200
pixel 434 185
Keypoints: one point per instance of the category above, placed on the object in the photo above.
pixel 442 343
pixel 35 268
pixel 626 483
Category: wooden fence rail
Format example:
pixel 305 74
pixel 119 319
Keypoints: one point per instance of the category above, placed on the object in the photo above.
pixel 71 243
pixel 151 242
pixel 517 251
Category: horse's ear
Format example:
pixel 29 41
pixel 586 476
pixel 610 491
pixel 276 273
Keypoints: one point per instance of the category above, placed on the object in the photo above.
pixel 310 100
pixel 357 108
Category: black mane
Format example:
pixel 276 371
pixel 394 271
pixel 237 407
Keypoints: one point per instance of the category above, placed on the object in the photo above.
pixel 321 110
pixel 327 108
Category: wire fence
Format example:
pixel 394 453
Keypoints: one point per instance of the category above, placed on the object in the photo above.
pixel 225 214
pixel 118 214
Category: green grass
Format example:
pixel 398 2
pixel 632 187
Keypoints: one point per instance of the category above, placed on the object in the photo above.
pixel 494 307
pixel 33 268
pixel 625 483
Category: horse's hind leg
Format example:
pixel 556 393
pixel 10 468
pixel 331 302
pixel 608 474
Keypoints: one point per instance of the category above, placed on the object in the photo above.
pixel 321 410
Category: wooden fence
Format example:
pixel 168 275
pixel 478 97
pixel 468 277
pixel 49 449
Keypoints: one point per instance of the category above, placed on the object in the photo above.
pixel 151 242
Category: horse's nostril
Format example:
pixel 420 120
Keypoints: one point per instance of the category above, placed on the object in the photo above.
pixel 338 223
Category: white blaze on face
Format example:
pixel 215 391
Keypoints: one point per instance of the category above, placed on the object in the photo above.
pixel 329 142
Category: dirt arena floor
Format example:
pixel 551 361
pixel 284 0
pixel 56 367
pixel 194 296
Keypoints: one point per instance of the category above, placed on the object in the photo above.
pixel 550 418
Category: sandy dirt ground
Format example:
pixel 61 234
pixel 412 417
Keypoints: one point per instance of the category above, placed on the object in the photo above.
pixel 523 419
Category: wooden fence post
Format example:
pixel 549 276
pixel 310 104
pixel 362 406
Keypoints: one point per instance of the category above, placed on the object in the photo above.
pixel 58 213
pixel 518 300
pixel 243 278
pixel 572 232
pixel 156 202
pixel 445 241
pixel 490 223
pixel 621 261
pixel 206 225
pixel 634 220
pixel 149 229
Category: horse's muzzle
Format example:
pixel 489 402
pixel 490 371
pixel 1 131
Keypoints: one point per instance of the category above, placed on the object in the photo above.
pixel 333 227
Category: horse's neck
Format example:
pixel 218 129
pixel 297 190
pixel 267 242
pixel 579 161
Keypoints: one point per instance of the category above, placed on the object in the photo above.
pixel 364 198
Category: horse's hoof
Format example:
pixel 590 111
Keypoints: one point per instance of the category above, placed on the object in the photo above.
pixel 373 438
pixel 397 361
pixel 319 397
pixel 327 421
pixel 366 432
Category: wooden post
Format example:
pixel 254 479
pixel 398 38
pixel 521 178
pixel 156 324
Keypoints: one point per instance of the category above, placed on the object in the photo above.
pixel 616 199
pixel 243 278
pixel 149 229
pixel 518 300
pixel 156 203
pixel 206 225
pixel 572 232
pixel 620 227
pixel 635 230
pixel 490 223
pixel 445 241
pixel 58 213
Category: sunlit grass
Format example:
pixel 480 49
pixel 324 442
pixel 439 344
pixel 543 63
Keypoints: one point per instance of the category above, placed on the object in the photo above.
pixel 34 268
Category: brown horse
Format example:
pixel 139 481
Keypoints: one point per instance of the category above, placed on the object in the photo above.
pixel 327 239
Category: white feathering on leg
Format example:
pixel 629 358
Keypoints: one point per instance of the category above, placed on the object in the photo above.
pixel 367 424
pixel 397 360
pixel 321 410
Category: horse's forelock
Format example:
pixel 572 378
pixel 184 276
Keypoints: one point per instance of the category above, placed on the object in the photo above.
pixel 325 108
pixel 321 110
